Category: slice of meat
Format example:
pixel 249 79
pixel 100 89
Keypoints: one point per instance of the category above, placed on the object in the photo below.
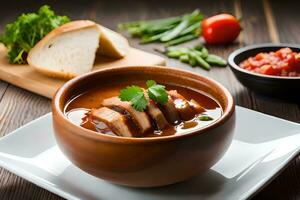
pixel 102 127
pixel 114 120
pixel 158 118
pixel 183 107
pixel 141 119
pixel 170 112
pixel 175 94
pixel 130 121
pixel 196 106
pixel 157 115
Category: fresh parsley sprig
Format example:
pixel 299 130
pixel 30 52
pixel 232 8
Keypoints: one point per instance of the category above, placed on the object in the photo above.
pixel 136 95
pixel 21 35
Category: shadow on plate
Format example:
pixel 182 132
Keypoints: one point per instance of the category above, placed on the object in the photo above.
pixel 208 183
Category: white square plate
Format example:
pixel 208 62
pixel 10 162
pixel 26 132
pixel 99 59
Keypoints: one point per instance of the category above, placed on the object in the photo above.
pixel 262 146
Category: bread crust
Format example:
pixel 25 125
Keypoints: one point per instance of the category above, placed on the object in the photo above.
pixel 68 27
pixel 54 74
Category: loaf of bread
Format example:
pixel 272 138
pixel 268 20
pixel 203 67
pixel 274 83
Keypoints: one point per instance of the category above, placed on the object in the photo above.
pixel 67 51
pixel 70 49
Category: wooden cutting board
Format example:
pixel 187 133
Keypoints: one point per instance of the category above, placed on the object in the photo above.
pixel 27 78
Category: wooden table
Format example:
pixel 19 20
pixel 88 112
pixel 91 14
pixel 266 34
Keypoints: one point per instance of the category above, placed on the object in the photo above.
pixel 262 21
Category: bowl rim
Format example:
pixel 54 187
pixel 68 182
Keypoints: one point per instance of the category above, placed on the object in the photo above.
pixel 238 52
pixel 227 114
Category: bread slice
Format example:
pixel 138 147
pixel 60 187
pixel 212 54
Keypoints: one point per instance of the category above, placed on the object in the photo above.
pixel 112 44
pixel 67 51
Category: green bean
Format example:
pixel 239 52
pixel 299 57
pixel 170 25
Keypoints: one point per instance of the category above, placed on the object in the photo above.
pixel 203 63
pixel 196 56
pixel 184 58
pixel 183 27
pixel 195 16
pixel 176 31
pixel 174 48
pixel 174 54
pixel 190 29
pixel 152 38
pixel 158 29
pixel 135 31
pixel 198 47
pixel 199 53
pixel 199 17
pixel 182 39
pixel 199 60
pixel 166 30
pixel 215 60
pixel 192 60
pixel 204 52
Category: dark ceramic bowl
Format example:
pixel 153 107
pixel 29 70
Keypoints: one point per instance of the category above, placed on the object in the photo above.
pixel 275 86
pixel 144 162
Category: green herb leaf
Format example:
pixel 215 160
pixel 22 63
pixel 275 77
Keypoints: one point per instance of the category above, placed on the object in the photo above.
pixel 158 93
pixel 150 83
pixel 205 118
pixel 139 102
pixel 20 36
pixel 136 96
pixel 130 92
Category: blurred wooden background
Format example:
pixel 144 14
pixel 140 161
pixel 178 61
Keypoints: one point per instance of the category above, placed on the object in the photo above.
pixel 262 21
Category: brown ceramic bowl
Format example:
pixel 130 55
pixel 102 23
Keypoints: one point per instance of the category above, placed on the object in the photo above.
pixel 144 162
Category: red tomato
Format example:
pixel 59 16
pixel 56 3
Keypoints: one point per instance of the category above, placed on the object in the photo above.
pixel 220 29
pixel 294 61
pixel 283 62
pixel 268 69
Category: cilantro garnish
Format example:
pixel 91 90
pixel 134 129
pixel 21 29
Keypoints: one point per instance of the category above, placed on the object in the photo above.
pixel 139 102
pixel 158 94
pixel 136 96
pixel 20 36
pixel 150 83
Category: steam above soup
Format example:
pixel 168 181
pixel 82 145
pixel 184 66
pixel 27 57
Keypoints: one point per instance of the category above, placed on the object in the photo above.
pixel 142 110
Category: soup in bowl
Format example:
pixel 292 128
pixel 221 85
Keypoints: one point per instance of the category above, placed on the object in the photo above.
pixel 143 126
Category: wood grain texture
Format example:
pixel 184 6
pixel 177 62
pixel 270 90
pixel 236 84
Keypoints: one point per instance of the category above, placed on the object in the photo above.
pixel 287 20
pixel 18 106
pixel 3 87
pixel 273 31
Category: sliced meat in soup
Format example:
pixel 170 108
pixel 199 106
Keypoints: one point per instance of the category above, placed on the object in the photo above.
pixel 170 112
pixel 101 110
pixel 183 107
pixel 157 116
pixel 114 120
pixel 141 119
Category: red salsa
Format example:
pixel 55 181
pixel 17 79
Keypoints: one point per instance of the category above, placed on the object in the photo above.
pixel 283 62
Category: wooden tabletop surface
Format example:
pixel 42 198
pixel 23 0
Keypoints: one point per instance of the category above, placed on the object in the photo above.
pixel 262 21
